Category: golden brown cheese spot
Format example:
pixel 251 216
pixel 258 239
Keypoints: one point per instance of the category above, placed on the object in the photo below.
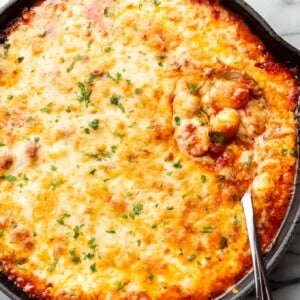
pixel 6 160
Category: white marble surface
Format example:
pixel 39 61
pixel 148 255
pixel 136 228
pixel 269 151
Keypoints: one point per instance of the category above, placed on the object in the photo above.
pixel 284 17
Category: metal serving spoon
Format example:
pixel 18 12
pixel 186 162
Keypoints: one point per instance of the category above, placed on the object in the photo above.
pixel 262 287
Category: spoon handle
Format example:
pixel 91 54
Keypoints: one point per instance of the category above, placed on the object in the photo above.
pixel 262 287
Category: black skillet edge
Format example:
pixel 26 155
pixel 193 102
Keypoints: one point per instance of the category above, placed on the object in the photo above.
pixel 283 52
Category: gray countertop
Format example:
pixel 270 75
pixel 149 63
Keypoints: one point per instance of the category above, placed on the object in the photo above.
pixel 284 17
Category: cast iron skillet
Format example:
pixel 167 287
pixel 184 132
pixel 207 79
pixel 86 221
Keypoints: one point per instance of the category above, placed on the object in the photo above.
pixel 283 52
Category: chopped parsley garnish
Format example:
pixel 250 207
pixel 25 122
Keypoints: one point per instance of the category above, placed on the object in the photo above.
pixel 170 207
pixel 248 163
pixel 192 257
pixel 107 49
pixel 136 210
pixel 94 124
pixel 151 276
pixel 138 91
pixel 9 178
pixel 223 243
pixel 61 221
pixel 284 152
pixel 120 285
pixel 1 232
pixel 155 2
pixel 116 79
pixel 54 185
pixel 85 91
pixel 177 165
pixel 208 229
pixel 2 144
pixel 6 48
pixel 78 57
pixel 93 171
pixel 110 231
pixel 218 137
pixel 119 134
pixel 47 109
pixel 177 120
pixel 20 59
pixel 115 101
pixel 193 88
pixel 203 178
pixel 154 225
pixel 88 255
pixel 93 267
pixel 91 243
pixel 53 265
pixel 75 258
pixel 76 231
pixel 108 13
pixel 53 168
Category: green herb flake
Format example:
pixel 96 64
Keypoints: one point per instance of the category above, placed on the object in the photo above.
pixel 248 163
pixel 88 255
pixel 203 178
pixel 207 229
pixel 107 49
pixel 92 172
pixel 138 91
pixel 9 178
pixel 76 231
pixel 111 231
pixel 170 207
pixel 218 137
pixel 223 243
pixel 108 13
pixel 192 257
pixel 78 57
pixel 53 168
pixel 151 276
pixel 94 124
pixel 155 2
pixel 6 48
pixel 85 91
pixel 75 258
pixel 2 144
pixel 61 221
pixel 113 149
pixel 284 152
pixel 235 220
pixel 119 134
pixel 53 265
pixel 177 165
pixel 93 267
pixel 120 285
pixel 116 79
pixel 1 232
pixel 154 225
pixel 177 120
pixel 10 97
pixel 91 243
pixel 56 184
pixel 20 59
pixel 193 88
pixel 47 109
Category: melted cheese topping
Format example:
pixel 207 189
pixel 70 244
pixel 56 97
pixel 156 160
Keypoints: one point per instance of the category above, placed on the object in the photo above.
pixel 129 132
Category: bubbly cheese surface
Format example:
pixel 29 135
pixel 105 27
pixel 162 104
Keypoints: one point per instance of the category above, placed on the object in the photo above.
pixel 129 130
